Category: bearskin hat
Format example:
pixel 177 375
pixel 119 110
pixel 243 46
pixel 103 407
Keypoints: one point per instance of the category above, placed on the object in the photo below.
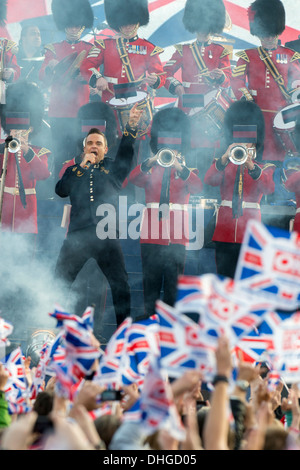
pixel 120 13
pixel 171 121
pixel 205 16
pixel 67 13
pixel 94 113
pixel 24 97
pixel 245 113
pixel 266 18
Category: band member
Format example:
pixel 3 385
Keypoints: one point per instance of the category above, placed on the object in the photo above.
pixel 204 66
pixel 92 184
pixel 125 57
pixel 60 71
pixel 30 54
pixel 164 228
pixel 28 164
pixel 242 182
pixel 267 74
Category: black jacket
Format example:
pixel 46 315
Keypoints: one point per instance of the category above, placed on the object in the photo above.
pixel 99 184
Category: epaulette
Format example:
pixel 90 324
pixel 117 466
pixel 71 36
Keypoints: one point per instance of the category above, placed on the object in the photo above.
pixel 225 52
pixel 43 151
pixel 51 48
pixel 296 56
pixel 11 46
pixel 243 55
pixel 179 48
pixel 157 50
pixel 100 43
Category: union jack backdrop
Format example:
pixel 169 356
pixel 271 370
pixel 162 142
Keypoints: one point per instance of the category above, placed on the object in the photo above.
pixel 165 28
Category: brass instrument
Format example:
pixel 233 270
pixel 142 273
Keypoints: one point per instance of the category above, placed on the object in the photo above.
pixel 166 157
pixel 239 154
pixel 14 145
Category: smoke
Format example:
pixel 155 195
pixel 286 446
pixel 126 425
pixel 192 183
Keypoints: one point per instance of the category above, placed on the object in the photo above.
pixel 28 290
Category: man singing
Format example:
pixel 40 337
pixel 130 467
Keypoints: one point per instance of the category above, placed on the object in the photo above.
pixel 93 182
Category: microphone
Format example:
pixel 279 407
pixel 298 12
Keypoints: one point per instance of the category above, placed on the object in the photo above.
pixel 88 164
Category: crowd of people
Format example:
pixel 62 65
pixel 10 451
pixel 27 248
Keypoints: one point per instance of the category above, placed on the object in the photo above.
pixel 107 139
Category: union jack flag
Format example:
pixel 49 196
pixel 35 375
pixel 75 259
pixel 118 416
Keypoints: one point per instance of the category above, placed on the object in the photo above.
pixel 16 370
pixel 180 342
pixel 40 371
pixel 109 371
pixel 221 309
pixel 158 410
pixel 268 265
pixel 16 391
pixel 141 342
pixel 6 329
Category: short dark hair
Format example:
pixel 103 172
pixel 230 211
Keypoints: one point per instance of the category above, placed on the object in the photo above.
pixel 95 130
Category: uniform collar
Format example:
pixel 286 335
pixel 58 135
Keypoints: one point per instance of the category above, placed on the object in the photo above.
pixel 134 38
pixel 205 44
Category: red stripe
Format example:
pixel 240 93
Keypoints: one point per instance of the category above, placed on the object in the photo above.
pixel 18 10
pixel 159 3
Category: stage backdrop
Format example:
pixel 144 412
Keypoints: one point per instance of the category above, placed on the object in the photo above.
pixel 164 29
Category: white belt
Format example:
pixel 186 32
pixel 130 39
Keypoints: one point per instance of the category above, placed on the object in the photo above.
pixel 186 84
pixel 111 80
pixel 16 191
pixel 172 206
pixel 246 205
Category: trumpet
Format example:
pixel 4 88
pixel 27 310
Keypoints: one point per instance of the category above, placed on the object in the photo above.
pixel 166 157
pixel 14 145
pixel 239 154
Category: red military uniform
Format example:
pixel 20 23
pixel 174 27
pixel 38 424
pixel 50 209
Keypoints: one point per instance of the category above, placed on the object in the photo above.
pixel 252 79
pixel 192 59
pixel 10 61
pixel 293 184
pixel 66 96
pixel 166 230
pixel 229 229
pixel 143 58
pixel 163 240
pixel 33 166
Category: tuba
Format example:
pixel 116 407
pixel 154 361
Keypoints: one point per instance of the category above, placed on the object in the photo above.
pixel 239 154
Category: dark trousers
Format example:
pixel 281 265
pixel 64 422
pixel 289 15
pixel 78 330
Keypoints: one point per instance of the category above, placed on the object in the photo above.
pixel 162 264
pixel 78 248
pixel 227 255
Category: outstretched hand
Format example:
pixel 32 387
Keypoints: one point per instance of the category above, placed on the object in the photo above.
pixel 135 115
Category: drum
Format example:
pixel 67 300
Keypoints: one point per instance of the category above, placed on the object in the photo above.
pixel 122 108
pixel 284 126
pixel 209 120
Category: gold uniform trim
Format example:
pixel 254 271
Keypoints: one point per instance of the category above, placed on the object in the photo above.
pixel 157 50
pixel 296 56
pixel 179 48
pixel 43 151
pixel 225 52
pixel 100 42
pixel 243 55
